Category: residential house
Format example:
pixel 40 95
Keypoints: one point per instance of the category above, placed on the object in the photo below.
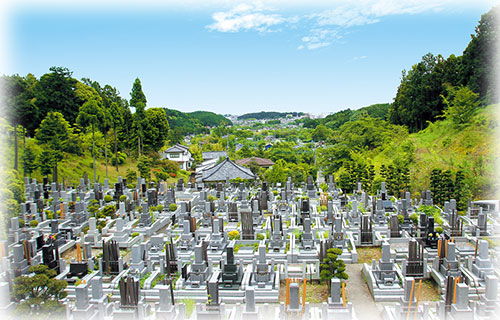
pixel 180 154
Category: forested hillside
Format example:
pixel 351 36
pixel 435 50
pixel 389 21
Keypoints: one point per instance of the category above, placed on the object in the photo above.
pixel 268 115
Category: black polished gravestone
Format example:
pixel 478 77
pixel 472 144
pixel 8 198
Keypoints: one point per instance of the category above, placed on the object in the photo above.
pixel 50 256
pixel 231 275
pixel 118 191
pixel 78 269
pixel 431 238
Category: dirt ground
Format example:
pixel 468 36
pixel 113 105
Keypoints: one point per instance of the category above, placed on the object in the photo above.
pixel 366 254
pixel 315 293
pixel 429 291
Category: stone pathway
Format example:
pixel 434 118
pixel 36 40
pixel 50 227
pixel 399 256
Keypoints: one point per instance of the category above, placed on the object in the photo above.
pixel 358 293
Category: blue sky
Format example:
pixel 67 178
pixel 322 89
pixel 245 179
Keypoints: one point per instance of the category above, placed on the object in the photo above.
pixel 236 56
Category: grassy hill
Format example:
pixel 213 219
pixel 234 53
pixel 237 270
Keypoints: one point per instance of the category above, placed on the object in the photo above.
pixel 74 167
pixel 443 146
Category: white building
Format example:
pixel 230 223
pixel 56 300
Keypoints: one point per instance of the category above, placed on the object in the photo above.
pixel 179 154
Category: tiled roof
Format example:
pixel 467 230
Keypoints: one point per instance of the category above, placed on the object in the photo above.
pixel 177 148
pixel 226 169
pixel 207 155
pixel 260 161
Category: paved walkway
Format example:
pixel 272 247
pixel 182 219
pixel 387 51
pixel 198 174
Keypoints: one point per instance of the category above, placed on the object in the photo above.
pixel 358 293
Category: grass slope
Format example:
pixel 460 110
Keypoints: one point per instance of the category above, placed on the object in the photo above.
pixel 444 146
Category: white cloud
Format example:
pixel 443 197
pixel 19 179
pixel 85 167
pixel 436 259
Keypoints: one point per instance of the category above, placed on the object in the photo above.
pixel 244 17
pixel 326 22
pixel 319 38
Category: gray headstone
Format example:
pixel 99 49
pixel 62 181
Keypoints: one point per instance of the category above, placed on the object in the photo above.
pixel 491 287
pixel 82 296
pixel 294 296
pixel 335 289
pixel 250 299
pixel 462 296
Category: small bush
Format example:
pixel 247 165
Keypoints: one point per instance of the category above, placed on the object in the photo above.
pixel 108 198
pixel 260 236
pixel 159 207
pixel 172 207
pixel 134 234
pixel 33 223
pixel 438 230
pixel 401 218
pixel 123 198
pixel 414 218
pixel 233 235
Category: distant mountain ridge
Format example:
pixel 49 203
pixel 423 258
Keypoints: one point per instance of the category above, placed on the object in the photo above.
pixel 270 115
pixel 195 122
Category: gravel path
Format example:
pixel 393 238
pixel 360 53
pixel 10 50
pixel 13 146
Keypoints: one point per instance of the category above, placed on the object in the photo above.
pixel 358 293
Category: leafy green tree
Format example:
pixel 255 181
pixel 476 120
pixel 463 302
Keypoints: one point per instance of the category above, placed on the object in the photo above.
pixel 46 162
pixel 116 120
pixel 480 58
pixel 461 104
pixel 131 176
pixel 321 133
pixel 138 101
pixel 155 129
pixel 278 172
pixel 332 267
pixel 91 115
pixel 56 91
pixel 39 294
pixel 435 186
pixel 54 131
pixel 144 165
pixel 30 161
pixel 17 101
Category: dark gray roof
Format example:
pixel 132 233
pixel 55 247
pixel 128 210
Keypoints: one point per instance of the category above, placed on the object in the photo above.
pixel 226 169
pixel 207 155
pixel 177 148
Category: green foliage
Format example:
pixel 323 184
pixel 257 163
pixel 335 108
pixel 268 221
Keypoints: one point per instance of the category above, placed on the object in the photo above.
pixel 144 166
pixel 123 198
pixel 137 96
pixel 268 115
pixel 33 223
pixel 438 230
pixel 414 218
pixel 210 119
pixel 401 218
pixel 172 207
pixel 40 293
pixel 134 234
pixel 121 158
pixel 321 133
pixel 332 267
pixel 233 235
pixel 190 304
pixel 155 129
pixel 480 59
pixel 323 186
pixel 21 223
pixel 211 198
pixel 108 198
pixel 260 236
pixel 160 208
pixel 431 211
pixel 131 175
pixel 30 163
pixel 461 105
